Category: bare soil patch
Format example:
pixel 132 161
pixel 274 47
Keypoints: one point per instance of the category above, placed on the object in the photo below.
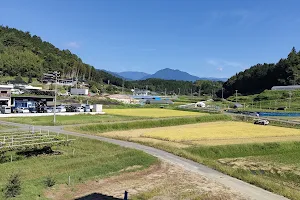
pixel 162 181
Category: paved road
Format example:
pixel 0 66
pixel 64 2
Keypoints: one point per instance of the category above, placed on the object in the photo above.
pixel 245 189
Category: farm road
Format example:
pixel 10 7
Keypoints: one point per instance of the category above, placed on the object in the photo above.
pixel 245 189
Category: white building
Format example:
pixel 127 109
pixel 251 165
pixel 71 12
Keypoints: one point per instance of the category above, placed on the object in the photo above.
pixel 79 91
pixel 141 92
pixel 5 94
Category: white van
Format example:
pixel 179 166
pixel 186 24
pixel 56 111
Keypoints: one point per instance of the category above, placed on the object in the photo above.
pixel 5 110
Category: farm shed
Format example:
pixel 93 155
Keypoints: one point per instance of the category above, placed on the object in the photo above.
pixel 287 87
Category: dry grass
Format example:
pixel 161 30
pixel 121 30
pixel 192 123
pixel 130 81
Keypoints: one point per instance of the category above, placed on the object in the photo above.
pixel 151 112
pixel 219 130
pixel 161 182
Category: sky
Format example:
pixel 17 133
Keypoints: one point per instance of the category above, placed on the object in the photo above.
pixel 206 38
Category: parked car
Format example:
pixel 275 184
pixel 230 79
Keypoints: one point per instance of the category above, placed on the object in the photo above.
pixel 5 110
pixel 70 108
pixel 88 108
pixel 79 109
pixel 49 109
pixel 22 110
pixel 61 109
pixel 261 122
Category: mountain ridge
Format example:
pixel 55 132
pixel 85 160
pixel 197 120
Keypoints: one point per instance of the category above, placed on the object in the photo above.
pixel 165 74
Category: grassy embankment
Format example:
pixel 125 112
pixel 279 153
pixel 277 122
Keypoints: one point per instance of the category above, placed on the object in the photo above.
pixel 100 128
pixel 270 100
pixel 92 159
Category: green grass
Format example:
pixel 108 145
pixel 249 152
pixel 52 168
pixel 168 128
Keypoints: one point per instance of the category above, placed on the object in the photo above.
pixel 70 120
pixel 93 159
pixel 4 127
pixel 100 128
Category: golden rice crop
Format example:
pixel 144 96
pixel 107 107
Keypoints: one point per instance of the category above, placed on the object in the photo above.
pixel 218 130
pixel 151 112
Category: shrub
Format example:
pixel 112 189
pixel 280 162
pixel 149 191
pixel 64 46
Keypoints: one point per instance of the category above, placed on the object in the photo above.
pixel 13 187
pixel 49 181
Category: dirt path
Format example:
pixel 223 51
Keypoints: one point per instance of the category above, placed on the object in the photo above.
pixel 163 181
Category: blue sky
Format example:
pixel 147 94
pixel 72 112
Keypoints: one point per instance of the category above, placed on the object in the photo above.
pixel 207 38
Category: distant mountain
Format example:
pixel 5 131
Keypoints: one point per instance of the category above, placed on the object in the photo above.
pixel 132 75
pixel 171 74
pixel 165 74
pixel 116 74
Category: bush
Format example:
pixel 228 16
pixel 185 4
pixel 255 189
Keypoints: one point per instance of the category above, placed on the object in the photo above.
pixel 49 182
pixel 13 187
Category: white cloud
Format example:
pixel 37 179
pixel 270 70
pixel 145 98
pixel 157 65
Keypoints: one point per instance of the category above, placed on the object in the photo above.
pixel 220 69
pixel 74 45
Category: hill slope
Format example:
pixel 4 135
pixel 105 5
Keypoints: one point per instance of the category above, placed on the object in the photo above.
pixel 264 76
pixel 27 55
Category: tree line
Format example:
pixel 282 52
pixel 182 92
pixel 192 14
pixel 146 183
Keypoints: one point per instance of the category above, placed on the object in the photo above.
pixel 206 87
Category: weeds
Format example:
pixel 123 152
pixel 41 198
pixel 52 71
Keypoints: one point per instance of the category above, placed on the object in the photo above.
pixel 100 128
pixel 13 186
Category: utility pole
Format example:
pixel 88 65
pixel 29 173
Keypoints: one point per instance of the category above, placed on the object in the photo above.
pixel 55 94
pixel 236 96
pixel 259 104
pixel 178 91
pixel 290 99
pixel 165 92
pixel 199 93
pixel 191 92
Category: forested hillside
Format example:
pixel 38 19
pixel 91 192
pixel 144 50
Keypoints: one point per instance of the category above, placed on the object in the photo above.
pixel 264 76
pixel 22 54
pixel 184 87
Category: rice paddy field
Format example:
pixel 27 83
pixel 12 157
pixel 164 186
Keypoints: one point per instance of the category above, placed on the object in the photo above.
pixel 211 133
pixel 151 112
